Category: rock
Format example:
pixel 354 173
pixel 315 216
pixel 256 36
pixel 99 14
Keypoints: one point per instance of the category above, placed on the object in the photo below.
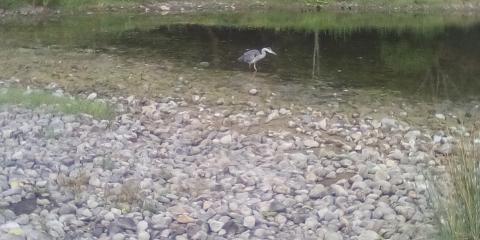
pixel 182 218
pixel 118 236
pixel 407 212
pixel 277 206
pixel 300 157
pixel 92 96
pixel 142 235
pixel 13 229
pixel 226 140
pixel 142 226
pixel 85 212
pixel 396 155
pixel 214 225
pixel 126 223
pixel 164 8
pixel 322 124
pixel 249 222
pixel 161 222
pixel 388 123
pixel 58 93
pixel 253 91
pixel 281 188
pixel 204 64
pixel 311 223
pixel 109 216
pixel 444 149
pixel 55 228
pixel 272 116
pixel 332 236
pixel 325 214
pixel 24 206
pixel 369 235
pixel 284 111
pixel 440 116
pixel 310 143
pixel 338 190
pixel 67 209
pixel 280 219
pixel 318 191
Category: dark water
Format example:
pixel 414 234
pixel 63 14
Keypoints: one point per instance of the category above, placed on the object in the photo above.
pixel 422 57
pixel 444 65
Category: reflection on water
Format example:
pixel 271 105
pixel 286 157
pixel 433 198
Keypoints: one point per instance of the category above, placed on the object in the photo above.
pixel 439 59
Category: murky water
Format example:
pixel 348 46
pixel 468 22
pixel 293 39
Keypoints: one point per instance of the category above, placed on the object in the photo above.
pixel 421 56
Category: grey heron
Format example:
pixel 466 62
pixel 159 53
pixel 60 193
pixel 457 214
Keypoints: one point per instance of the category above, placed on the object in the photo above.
pixel 253 56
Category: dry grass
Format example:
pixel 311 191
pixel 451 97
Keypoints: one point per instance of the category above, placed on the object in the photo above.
pixel 77 181
pixel 456 197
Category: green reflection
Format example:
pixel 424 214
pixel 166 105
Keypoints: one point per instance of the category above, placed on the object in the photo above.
pixel 427 55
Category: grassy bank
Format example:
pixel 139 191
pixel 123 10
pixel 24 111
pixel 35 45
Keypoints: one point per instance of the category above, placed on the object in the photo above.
pixel 281 4
pixel 456 199
pixel 33 99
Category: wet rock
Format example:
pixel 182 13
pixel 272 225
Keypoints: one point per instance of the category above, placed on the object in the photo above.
pixel 272 116
pixel 440 116
pixel 204 64
pixel 92 96
pixel 253 91
pixel 164 8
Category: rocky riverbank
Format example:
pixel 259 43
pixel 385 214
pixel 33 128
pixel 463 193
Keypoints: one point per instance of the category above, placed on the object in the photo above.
pixel 181 169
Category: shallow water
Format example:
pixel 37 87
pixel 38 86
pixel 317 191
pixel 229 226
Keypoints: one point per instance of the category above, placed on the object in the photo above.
pixel 427 57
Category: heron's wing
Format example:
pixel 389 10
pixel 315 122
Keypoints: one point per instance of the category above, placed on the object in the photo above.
pixel 249 56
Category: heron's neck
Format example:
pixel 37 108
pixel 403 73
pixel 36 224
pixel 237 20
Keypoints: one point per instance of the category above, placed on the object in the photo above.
pixel 264 53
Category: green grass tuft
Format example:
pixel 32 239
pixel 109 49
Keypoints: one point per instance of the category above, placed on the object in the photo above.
pixel 456 199
pixel 14 96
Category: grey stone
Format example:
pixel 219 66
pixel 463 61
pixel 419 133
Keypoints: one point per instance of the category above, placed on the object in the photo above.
pixel 249 222
pixel 310 143
pixel 277 206
pixel 332 236
pixel 369 235
pixel 214 225
pixel 318 191
pixel 126 223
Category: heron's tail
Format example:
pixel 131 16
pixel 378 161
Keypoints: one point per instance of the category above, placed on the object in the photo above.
pixel 240 59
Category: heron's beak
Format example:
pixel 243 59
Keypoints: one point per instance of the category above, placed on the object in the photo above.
pixel 274 53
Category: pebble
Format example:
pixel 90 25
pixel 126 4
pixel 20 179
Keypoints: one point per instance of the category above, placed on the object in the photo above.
pixel 253 91
pixel 310 143
pixel 319 191
pixel 440 116
pixel 92 96
pixel 249 222
pixel 215 226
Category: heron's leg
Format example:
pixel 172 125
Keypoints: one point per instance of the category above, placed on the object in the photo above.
pixel 254 67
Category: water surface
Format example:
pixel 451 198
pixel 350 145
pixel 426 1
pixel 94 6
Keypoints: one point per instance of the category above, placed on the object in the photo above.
pixel 426 57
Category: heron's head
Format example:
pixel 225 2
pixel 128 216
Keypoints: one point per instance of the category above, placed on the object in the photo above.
pixel 268 49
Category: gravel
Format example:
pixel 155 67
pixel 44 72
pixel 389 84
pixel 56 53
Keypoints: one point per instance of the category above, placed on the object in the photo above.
pixel 176 170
